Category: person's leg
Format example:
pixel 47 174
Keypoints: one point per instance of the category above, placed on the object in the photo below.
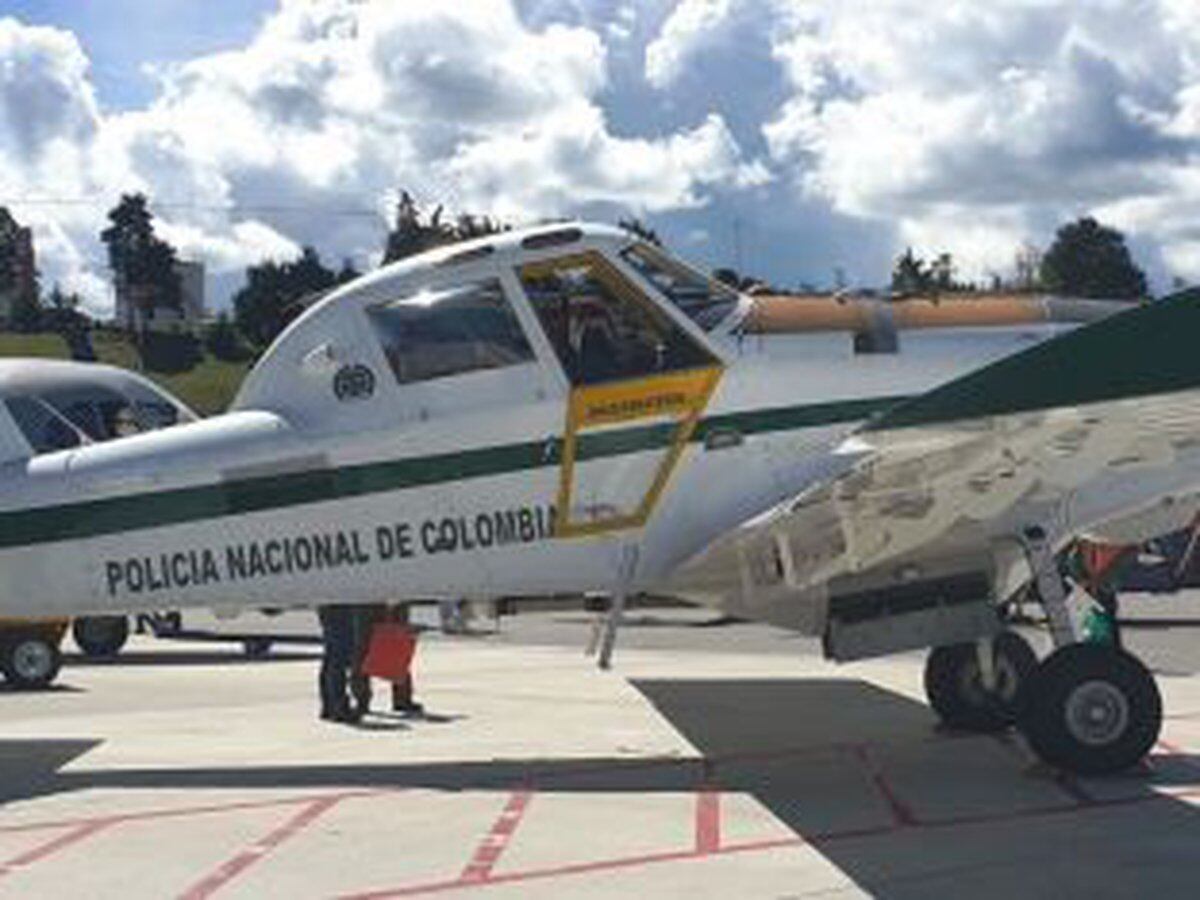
pixel 360 692
pixel 364 618
pixel 339 642
pixel 402 697
pixel 325 675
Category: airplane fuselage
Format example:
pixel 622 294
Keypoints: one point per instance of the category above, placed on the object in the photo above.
pixel 248 509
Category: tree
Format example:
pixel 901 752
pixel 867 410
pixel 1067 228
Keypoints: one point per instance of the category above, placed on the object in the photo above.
pixel 61 315
pixel 910 275
pixel 727 276
pixel 18 277
pixel 941 273
pixel 25 313
pixel 1028 265
pixel 222 341
pixel 637 227
pixel 414 232
pixel 142 263
pixel 1088 259
pixel 275 293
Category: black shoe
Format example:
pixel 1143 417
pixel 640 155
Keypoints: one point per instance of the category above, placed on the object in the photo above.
pixel 345 716
pixel 409 709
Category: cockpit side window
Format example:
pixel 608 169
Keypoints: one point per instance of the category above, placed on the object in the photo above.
pixel 601 325
pixel 443 332
pixel 98 412
pixel 703 300
pixel 42 427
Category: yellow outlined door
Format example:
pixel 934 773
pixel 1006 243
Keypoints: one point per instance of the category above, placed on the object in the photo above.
pixel 640 384
pixel 655 417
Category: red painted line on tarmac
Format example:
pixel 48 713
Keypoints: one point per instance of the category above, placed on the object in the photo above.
pixel 234 867
pixel 186 811
pixel 708 820
pixel 488 853
pixel 815 840
pixel 708 810
pixel 902 814
pixel 43 851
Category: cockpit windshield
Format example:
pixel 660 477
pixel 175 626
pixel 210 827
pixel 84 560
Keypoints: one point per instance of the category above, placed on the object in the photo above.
pixel 61 416
pixel 703 300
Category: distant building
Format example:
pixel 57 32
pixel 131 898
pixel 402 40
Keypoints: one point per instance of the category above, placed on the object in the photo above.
pixel 188 317
pixel 20 279
pixel 191 283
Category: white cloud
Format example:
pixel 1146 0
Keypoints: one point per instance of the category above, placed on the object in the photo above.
pixel 975 125
pixel 965 126
pixel 684 34
pixel 299 136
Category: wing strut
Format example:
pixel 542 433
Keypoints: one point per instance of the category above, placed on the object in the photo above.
pixel 607 637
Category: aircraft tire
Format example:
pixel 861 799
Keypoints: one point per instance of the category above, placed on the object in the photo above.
pixel 1091 709
pixel 256 648
pixel 30 661
pixel 954 689
pixel 100 636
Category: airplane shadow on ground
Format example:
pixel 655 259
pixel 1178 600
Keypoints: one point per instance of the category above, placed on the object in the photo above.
pixel 856 772
pixel 229 657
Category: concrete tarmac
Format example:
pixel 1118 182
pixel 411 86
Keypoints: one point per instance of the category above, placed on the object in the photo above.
pixel 711 762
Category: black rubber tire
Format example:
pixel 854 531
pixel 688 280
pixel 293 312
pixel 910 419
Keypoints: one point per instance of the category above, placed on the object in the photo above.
pixel 100 637
pixel 1055 708
pixel 30 661
pixel 955 691
pixel 256 648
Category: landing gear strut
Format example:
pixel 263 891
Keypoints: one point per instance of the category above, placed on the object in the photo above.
pixel 1088 708
pixel 965 695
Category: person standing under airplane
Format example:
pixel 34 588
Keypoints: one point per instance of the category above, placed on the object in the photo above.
pixel 337 637
pixel 389 658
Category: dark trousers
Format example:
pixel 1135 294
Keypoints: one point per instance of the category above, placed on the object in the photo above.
pixel 337 634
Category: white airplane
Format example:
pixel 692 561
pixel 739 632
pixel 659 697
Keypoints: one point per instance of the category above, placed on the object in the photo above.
pixel 567 409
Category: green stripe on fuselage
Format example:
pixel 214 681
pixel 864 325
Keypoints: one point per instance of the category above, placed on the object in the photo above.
pixel 1152 349
pixel 113 515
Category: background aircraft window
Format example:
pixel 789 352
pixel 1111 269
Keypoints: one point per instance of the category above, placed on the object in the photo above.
pixel 703 300
pixel 440 333
pixel 603 327
pixel 43 428
pixel 99 412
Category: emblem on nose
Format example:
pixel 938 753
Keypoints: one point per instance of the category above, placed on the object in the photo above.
pixel 354 382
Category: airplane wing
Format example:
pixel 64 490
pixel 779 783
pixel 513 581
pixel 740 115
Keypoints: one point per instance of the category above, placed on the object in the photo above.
pixel 1095 432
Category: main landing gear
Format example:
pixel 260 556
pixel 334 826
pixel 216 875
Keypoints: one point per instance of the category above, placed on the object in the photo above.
pixel 1087 708
pixel 966 695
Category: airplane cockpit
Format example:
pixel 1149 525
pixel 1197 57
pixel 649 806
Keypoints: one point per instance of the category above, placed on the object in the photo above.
pixel 508 320
pixel 51 405
pixel 547 342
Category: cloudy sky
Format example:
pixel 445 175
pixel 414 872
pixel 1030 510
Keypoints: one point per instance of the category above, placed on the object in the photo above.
pixel 800 138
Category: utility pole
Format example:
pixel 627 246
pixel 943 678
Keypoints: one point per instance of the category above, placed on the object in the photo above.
pixel 737 246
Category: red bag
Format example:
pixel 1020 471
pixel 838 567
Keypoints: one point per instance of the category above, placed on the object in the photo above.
pixel 389 652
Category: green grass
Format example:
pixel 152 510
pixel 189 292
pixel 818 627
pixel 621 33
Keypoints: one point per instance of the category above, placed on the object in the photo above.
pixel 43 346
pixel 208 388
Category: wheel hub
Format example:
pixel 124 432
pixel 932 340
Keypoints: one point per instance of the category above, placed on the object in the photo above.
pixel 1097 713
pixel 32 660
pixel 1007 682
